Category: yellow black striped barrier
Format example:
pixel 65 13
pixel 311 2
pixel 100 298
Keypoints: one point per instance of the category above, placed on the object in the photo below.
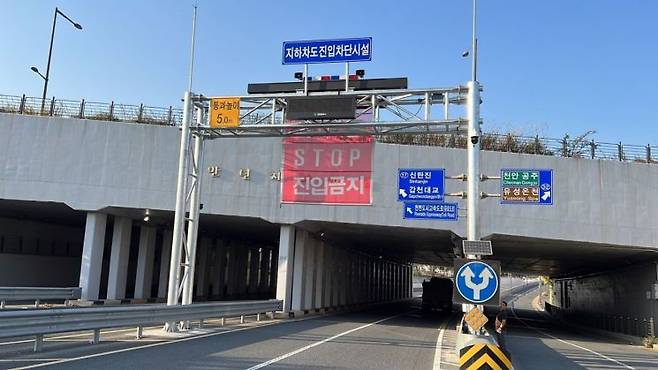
pixel 483 356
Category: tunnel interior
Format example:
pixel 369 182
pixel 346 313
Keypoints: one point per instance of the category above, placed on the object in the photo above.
pixel 49 246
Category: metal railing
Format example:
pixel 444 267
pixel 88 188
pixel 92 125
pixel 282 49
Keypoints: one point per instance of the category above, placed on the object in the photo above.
pixel 623 324
pixel 566 147
pixel 91 110
pixel 36 295
pixel 40 322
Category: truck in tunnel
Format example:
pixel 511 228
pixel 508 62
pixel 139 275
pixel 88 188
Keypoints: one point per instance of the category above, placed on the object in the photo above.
pixel 437 294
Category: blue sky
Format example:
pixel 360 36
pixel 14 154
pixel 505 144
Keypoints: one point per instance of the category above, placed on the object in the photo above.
pixel 548 67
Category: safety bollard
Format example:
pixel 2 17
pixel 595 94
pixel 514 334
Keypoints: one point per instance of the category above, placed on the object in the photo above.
pixel 140 332
pixel 223 321
pixel 241 319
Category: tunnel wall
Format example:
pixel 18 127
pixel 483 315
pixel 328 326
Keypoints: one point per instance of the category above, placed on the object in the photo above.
pixel 90 165
pixel 39 254
pixel 627 292
pixel 318 275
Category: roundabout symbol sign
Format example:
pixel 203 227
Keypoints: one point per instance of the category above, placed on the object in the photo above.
pixel 476 282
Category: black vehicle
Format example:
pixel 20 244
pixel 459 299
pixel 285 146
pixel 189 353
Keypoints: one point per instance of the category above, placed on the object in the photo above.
pixel 437 294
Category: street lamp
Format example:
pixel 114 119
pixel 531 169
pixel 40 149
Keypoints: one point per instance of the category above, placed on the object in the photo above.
pixel 50 53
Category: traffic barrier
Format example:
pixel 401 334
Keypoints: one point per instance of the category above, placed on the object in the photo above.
pixel 483 356
pixel 40 322
pixel 479 351
pixel 36 294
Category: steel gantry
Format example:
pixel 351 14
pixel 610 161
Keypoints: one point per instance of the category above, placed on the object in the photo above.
pixel 378 112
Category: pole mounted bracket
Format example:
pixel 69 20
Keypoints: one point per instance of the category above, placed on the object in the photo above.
pixel 461 194
pixel 461 177
pixel 489 195
pixel 485 177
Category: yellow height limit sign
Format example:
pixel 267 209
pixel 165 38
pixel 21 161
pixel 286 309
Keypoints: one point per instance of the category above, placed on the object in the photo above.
pixel 224 112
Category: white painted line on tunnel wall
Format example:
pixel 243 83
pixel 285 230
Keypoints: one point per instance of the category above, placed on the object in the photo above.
pixel 305 348
pixel 572 344
pixel 185 339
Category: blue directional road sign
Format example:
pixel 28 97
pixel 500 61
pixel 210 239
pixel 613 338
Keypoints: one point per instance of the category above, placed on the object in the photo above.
pixel 476 281
pixel 327 51
pixel 431 211
pixel 526 186
pixel 421 184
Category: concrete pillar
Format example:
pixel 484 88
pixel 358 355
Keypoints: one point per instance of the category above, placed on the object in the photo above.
pixel 285 266
pixel 309 273
pixel 92 255
pixel 351 278
pixel 116 280
pixel 241 270
pixel 165 259
pixel 274 260
pixel 231 274
pixel 264 272
pixel 201 268
pixel 145 262
pixel 367 278
pixel 394 280
pixel 410 281
pixel 387 281
pixel 343 286
pixel 320 282
pixel 328 276
pixel 220 270
pixel 254 265
pixel 299 275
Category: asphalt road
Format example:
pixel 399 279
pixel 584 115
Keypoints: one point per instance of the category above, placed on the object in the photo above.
pixel 536 342
pixel 390 337
pixel 396 336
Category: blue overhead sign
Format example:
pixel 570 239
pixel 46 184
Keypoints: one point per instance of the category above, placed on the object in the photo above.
pixel 431 211
pixel 327 51
pixel 526 186
pixel 421 184
pixel 476 281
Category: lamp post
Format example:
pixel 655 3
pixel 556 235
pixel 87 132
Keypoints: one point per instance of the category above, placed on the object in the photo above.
pixel 50 53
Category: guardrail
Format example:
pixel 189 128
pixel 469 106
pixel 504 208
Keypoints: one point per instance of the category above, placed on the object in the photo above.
pixel 36 294
pixel 40 322
pixel 622 324
pixel 578 147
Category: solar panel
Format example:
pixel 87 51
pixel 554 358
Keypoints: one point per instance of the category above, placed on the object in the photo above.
pixel 479 247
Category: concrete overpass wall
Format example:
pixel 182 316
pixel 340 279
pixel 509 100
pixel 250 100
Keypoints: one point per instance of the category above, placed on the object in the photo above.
pixel 90 165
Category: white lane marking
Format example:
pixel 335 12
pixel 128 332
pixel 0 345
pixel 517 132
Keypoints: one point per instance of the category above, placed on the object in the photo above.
pixel 573 344
pixel 305 348
pixel 165 342
pixel 439 346
pixel 30 359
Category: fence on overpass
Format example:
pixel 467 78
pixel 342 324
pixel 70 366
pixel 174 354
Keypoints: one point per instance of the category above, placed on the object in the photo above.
pixel 571 147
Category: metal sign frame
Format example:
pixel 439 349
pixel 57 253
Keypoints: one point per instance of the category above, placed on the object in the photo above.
pixel 379 112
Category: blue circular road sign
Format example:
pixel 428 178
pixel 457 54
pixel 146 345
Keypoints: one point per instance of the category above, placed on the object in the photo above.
pixel 476 281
